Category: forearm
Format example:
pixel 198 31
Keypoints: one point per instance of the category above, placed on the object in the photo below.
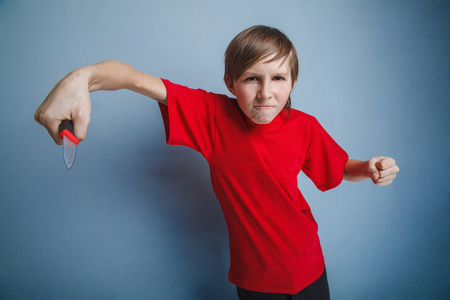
pixel 108 75
pixel 356 170
pixel 114 75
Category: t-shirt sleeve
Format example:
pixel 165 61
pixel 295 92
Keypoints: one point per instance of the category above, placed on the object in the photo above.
pixel 325 159
pixel 189 117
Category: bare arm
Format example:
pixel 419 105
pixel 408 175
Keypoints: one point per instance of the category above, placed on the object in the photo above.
pixel 70 99
pixel 382 170
pixel 114 75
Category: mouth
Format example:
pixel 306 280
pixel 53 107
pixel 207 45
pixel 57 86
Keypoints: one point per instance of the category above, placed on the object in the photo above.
pixel 263 106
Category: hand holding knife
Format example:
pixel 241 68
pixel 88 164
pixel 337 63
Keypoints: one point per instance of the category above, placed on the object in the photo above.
pixel 70 142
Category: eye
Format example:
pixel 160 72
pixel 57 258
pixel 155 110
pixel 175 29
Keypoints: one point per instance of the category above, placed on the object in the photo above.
pixel 278 78
pixel 251 78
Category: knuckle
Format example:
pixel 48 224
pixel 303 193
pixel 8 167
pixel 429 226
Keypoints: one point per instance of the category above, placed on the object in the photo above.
pixel 36 115
pixel 44 117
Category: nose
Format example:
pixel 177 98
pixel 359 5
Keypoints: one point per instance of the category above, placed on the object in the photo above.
pixel 265 91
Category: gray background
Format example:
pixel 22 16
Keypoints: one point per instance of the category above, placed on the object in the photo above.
pixel 137 219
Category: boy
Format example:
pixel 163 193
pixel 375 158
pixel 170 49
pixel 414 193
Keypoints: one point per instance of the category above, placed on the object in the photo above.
pixel 255 145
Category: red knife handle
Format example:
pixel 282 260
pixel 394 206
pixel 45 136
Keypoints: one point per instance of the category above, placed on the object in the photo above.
pixel 66 128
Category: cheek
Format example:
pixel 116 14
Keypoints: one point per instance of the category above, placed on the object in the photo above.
pixel 284 93
pixel 244 97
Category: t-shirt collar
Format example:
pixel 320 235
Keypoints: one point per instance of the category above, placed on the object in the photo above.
pixel 277 121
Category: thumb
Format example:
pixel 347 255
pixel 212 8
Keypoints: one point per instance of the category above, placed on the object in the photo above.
pixel 80 125
pixel 81 119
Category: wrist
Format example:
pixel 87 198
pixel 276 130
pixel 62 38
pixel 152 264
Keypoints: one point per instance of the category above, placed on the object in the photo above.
pixel 83 76
pixel 367 169
pixel 108 75
pixel 357 170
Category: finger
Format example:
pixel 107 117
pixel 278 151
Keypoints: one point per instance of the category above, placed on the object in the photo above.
pixel 385 163
pixel 388 172
pixel 53 130
pixel 386 178
pixel 80 126
pixel 80 119
pixel 51 124
pixel 373 170
pixel 382 183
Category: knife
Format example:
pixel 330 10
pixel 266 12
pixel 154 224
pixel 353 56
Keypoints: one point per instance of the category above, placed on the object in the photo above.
pixel 70 142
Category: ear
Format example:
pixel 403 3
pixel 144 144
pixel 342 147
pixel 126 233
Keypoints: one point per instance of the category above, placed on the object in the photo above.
pixel 293 85
pixel 230 84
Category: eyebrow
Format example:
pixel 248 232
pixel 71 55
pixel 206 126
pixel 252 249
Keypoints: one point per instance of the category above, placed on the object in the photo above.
pixel 253 73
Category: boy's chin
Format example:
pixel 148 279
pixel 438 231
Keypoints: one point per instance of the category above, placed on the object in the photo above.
pixel 262 120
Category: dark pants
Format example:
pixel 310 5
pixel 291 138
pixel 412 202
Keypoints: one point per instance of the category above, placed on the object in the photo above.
pixel 318 290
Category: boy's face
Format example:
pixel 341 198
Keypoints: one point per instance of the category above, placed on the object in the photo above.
pixel 263 89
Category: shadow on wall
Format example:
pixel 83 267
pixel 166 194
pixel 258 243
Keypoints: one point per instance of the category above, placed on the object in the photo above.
pixel 186 203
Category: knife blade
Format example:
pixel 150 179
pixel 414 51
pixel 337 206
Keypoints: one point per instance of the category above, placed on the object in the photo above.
pixel 70 142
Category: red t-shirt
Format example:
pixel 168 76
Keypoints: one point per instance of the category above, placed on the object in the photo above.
pixel 274 245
